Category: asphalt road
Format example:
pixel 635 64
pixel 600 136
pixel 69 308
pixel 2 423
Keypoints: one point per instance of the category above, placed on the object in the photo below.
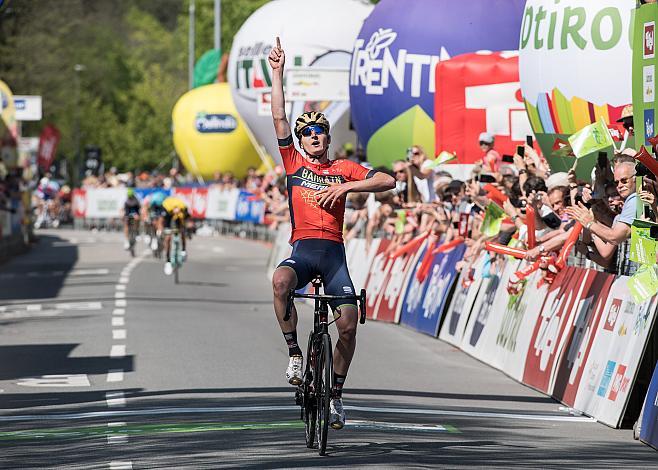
pixel 106 363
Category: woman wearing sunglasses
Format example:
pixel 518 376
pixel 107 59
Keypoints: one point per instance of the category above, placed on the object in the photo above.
pixel 317 189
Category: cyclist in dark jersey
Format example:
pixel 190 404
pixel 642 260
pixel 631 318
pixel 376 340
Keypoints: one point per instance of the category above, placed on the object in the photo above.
pixel 130 214
pixel 317 188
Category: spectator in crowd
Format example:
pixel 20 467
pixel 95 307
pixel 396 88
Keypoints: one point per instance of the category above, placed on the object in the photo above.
pixel 491 159
pixel 617 235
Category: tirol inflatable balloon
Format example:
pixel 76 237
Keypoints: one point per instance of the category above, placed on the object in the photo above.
pixel 313 33
pixel 209 135
pixel 575 63
pixel 394 60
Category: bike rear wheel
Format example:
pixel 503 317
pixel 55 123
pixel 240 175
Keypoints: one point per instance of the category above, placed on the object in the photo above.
pixel 323 391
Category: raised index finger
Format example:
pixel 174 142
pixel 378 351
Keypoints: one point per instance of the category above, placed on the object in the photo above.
pixel 278 42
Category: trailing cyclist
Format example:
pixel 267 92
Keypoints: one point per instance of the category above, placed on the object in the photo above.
pixel 131 216
pixel 175 216
pixel 317 191
pixel 156 214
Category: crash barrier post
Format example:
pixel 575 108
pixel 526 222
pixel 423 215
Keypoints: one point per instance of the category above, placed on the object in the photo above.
pixel 578 336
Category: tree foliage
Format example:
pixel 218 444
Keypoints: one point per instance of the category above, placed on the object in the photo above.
pixel 134 54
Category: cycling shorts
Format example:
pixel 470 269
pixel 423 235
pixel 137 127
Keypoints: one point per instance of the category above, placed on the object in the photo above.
pixel 313 256
pixel 171 221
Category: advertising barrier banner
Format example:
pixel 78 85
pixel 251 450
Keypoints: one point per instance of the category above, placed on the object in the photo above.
pixel 222 204
pixel 377 273
pixel 105 203
pixel 196 200
pixel 79 203
pixel 616 353
pixel 249 208
pixel 649 433
pixel 461 305
pixel 394 286
pixel 359 259
pixel 422 307
pixel 582 331
pixel 550 331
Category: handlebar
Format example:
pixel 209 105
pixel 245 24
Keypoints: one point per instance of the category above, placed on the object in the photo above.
pixel 361 301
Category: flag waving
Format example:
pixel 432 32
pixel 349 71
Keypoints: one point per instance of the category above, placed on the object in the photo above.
pixel 591 139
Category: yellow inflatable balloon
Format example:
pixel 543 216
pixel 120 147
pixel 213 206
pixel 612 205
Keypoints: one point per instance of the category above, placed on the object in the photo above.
pixel 209 135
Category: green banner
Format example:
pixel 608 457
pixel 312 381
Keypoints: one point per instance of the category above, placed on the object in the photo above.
pixel 644 73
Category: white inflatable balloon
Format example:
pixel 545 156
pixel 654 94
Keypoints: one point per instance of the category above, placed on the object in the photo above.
pixel 315 33
pixel 575 62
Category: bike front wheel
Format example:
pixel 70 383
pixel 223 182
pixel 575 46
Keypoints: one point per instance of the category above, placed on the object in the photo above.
pixel 323 391
pixel 309 402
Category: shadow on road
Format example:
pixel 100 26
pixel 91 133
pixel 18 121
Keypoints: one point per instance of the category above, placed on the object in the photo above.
pixel 41 272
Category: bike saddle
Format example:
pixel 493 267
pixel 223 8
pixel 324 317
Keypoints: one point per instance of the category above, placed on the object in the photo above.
pixel 317 281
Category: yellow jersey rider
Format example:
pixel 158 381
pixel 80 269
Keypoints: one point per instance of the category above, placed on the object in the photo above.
pixel 175 217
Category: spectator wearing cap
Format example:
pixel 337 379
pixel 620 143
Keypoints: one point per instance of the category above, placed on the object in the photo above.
pixel 626 119
pixel 607 239
pixel 491 160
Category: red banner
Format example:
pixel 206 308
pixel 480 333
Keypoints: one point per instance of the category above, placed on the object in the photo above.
pixel 196 200
pixel 79 203
pixel 48 142
pixel 381 265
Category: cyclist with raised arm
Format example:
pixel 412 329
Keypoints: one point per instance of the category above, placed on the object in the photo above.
pixel 317 188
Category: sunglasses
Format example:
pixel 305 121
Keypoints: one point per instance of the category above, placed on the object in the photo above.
pixel 306 132
pixel 623 181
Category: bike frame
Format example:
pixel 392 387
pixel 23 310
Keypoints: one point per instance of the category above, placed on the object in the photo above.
pixel 313 394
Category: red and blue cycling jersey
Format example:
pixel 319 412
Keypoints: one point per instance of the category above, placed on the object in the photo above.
pixel 304 179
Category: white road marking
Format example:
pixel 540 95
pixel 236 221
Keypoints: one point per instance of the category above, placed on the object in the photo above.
pixel 117 439
pixel 120 295
pixel 287 408
pixel 89 272
pixel 33 307
pixel 60 380
pixel 218 249
pixel 26 314
pixel 115 375
pixel 115 399
pixel 80 306
pixel 355 423
pixel 120 287
pixel 118 350
pixel 118 321
pixel 120 303
pixel 119 465
pixel 119 311
pixel 118 334
pixel 123 280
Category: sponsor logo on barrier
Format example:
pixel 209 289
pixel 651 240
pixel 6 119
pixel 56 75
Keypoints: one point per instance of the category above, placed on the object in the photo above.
pixel 649 83
pixel 607 377
pixel 211 123
pixel 649 40
pixel 580 339
pixel 457 308
pixel 509 328
pixel 437 286
pixel 396 281
pixel 648 125
pixel 613 314
pixel 593 375
pixel 485 310
pixel 619 384
pixel 642 317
